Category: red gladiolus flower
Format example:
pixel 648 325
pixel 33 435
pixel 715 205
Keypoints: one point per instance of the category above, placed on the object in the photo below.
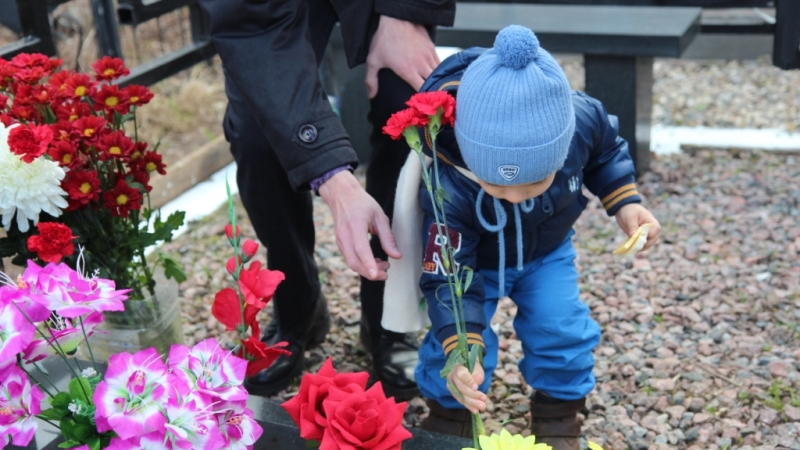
pixel 53 242
pixel 122 199
pixel 64 153
pixel 230 266
pixel 79 85
pixel 82 186
pixel 138 95
pixel 109 68
pixel 306 409
pixel 249 248
pixel 258 355
pixel 227 309
pixel 89 127
pixel 363 420
pixel 401 120
pixel 429 103
pixel 229 231
pixel 258 285
pixel 111 98
pixel 114 145
pixel 30 141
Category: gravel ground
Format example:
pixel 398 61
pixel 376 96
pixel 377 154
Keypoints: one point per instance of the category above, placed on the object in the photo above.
pixel 699 348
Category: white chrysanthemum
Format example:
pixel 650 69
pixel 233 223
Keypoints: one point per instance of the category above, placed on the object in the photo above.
pixel 28 189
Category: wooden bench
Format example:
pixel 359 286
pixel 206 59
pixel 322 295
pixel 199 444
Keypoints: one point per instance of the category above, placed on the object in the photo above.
pixel 618 44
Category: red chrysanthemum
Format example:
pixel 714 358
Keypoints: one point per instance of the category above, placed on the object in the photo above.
pixel 114 145
pixel 24 113
pixel 64 153
pixel 7 72
pixel 432 103
pixel 111 98
pixel 82 186
pixel 143 178
pixel 122 199
pixel 138 95
pixel 32 94
pixel 31 60
pixel 30 141
pixel 89 127
pixel 59 82
pixel 73 111
pixel 109 68
pixel 53 242
pixel 79 86
pixel 138 152
pixel 151 162
pixel 3 102
pixel 401 120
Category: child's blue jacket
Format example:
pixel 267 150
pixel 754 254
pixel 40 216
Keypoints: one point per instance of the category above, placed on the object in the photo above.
pixel 598 158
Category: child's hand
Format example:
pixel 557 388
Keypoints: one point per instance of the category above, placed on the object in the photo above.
pixel 467 385
pixel 633 215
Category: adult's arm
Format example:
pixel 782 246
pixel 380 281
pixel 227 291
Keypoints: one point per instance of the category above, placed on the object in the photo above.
pixel 267 53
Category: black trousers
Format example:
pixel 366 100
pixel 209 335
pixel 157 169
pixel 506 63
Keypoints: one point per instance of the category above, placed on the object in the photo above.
pixel 282 217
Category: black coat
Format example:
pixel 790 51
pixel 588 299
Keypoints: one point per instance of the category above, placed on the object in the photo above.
pixel 267 53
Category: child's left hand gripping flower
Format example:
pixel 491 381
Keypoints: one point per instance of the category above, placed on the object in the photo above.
pixel 641 227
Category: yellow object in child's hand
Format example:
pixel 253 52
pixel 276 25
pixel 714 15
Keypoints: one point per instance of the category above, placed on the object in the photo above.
pixel 635 242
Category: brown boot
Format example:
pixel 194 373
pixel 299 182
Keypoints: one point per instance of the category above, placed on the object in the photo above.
pixel 455 422
pixel 555 422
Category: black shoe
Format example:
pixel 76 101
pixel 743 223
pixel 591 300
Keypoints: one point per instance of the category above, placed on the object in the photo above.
pixel 394 358
pixel 455 422
pixel 286 368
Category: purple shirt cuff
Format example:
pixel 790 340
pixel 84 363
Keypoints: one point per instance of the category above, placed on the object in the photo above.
pixel 316 183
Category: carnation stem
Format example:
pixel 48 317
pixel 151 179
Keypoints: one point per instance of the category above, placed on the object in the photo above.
pixel 91 355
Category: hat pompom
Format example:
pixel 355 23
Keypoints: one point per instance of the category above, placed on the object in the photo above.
pixel 516 46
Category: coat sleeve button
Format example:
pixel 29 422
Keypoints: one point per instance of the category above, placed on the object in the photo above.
pixel 308 133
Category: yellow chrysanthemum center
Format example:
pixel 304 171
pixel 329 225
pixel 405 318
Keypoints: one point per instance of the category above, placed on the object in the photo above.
pixel 112 102
pixel 109 72
pixel 122 199
pixel 115 150
pixel 88 132
pixel 150 166
pixel 80 91
pixel 86 187
pixel 134 99
pixel 66 159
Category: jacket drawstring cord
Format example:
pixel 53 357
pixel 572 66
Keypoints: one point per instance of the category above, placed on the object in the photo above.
pixel 502 219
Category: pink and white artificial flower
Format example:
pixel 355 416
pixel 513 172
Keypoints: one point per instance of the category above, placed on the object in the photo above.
pixel 210 370
pixel 70 293
pixel 16 331
pixel 20 294
pixel 64 335
pixel 191 424
pixel 129 398
pixel 20 402
pixel 238 428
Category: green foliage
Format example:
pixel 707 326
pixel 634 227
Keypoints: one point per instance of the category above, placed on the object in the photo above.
pixel 74 412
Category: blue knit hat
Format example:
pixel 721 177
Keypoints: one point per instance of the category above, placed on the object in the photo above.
pixel 514 116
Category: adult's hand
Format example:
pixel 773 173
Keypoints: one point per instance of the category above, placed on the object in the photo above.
pixel 355 216
pixel 405 48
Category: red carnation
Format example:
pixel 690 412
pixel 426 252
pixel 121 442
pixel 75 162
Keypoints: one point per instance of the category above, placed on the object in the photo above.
pixel 306 409
pixel 79 86
pixel 89 127
pixel 433 103
pixel 30 141
pixel 109 68
pixel 122 199
pixel 114 145
pixel 64 153
pixel 82 186
pixel 363 420
pixel 53 242
pixel 3 102
pixel 258 285
pixel 111 98
pixel 138 95
pixel 401 120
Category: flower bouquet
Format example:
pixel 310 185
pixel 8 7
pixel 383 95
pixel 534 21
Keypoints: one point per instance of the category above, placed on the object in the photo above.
pixel 74 171
pixel 194 399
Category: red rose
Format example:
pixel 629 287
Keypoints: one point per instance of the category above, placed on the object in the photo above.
pixel 306 409
pixel 53 242
pixel 363 421
pixel 401 120
pixel 122 199
pixel 258 285
pixel 30 141
pixel 432 103
pixel 109 68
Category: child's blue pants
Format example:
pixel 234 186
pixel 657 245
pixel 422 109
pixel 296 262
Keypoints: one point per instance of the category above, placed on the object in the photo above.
pixel 552 323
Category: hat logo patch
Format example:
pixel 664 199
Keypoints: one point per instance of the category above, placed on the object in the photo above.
pixel 508 172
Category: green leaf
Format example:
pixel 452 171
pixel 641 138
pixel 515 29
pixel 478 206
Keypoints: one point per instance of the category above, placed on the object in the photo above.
pixel 93 443
pixel 53 414
pixel 60 400
pixel 470 273
pixel 79 389
pixel 475 356
pixel 69 444
pixel 312 443
pixel 67 426
pixel 85 431
pixel 452 360
pixel 172 267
